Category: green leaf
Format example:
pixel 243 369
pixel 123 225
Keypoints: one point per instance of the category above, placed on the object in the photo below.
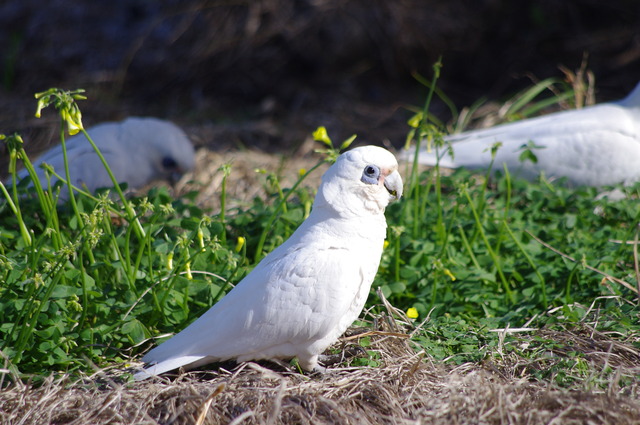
pixel 135 330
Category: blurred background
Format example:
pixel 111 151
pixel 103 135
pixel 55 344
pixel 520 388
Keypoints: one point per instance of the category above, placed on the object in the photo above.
pixel 266 73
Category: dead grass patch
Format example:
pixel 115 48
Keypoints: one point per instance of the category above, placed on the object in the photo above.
pixel 407 388
pixel 244 182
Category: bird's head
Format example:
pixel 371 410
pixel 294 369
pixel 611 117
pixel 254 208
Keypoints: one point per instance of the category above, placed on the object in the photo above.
pixel 168 148
pixel 361 182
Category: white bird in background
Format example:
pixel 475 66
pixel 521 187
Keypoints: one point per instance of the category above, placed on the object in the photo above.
pixel 595 146
pixel 302 296
pixel 138 151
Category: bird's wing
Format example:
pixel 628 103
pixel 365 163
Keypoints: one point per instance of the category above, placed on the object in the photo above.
pixel 134 149
pixel 298 293
pixel 85 167
pixel 79 149
pixel 584 145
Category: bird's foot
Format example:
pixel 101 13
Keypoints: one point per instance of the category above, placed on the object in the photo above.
pixel 319 370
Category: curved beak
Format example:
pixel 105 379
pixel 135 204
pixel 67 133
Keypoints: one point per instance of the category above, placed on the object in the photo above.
pixel 393 184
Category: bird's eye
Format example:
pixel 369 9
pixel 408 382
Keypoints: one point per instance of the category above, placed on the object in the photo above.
pixel 370 174
pixel 169 163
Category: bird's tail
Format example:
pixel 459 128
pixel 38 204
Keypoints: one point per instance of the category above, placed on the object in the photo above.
pixel 167 365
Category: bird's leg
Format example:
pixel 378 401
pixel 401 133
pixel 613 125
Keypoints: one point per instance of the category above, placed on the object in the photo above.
pixel 310 363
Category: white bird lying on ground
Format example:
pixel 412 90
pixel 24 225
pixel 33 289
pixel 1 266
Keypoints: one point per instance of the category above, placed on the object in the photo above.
pixel 302 296
pixel 138 151
pixel 595 146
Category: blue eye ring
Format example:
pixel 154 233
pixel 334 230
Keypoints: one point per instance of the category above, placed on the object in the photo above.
pixel 370 174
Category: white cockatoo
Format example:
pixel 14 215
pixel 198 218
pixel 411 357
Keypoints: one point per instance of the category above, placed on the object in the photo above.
pixel 598 145
pixel 302 296
pixel 138 151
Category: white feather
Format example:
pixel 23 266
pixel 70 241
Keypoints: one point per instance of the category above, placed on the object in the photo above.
pixel 595 146
pixel 302 296
pixel 136 149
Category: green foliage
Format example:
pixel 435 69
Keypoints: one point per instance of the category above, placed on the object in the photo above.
pixel 88 280
pixel 469 247
pixel 96 279
pixel 92 288
pixel 475 253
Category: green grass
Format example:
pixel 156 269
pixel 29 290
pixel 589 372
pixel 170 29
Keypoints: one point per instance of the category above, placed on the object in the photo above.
pixel 93 280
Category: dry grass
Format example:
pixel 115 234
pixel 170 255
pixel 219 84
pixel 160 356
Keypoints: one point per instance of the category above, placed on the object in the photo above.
pixel 245 182
pixel 407 388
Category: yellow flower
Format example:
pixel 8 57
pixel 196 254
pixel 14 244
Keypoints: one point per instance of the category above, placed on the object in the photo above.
pixel 170 261
pixel 385 245
pixel 73 119
pixel 415 120
pixel 240 243
pixel 321 135
pixel 412 313
pixel 302 172
pixel 448 273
